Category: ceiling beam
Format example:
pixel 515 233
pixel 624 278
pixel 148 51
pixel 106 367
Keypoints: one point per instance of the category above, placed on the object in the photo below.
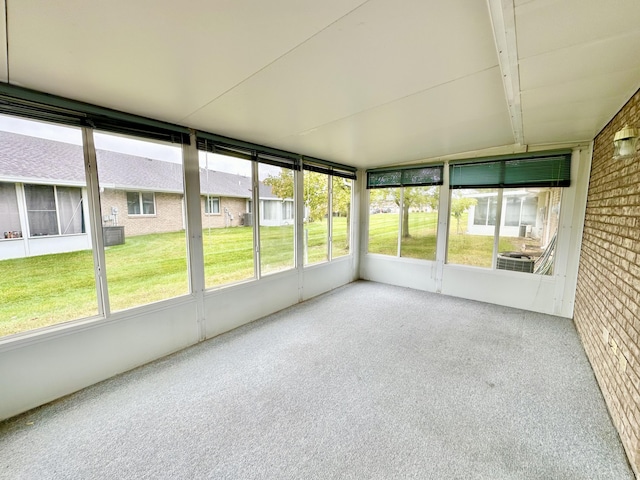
pixel 503 21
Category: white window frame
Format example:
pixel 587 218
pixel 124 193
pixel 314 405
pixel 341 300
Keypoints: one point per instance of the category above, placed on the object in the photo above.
pixel 141 205
pixel 208 203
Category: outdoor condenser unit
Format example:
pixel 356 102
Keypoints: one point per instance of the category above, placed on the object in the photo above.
pixel 515 261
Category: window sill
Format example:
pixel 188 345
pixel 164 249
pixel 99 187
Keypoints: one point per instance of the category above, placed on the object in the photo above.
pixel 142 215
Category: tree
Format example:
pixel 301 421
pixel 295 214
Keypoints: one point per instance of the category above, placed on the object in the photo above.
pixel 316 194
pixel 459 205
pixel 416 197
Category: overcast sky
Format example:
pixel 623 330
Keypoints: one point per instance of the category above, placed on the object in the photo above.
pixel 118 143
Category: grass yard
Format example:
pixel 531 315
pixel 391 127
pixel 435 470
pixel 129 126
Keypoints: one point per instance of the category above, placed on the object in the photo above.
pixel 464 249
pixel 50 289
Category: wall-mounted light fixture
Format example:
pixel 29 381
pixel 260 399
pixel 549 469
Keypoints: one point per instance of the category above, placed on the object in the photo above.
pixel 624 141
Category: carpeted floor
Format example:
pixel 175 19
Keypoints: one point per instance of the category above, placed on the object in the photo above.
pixel 366 382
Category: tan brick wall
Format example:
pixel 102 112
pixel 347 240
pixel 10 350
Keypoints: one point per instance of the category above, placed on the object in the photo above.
pixel 168 217
pixel 607 306
pixel 235 206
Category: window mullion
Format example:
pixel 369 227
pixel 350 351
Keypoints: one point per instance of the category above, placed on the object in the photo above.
pixel 496 231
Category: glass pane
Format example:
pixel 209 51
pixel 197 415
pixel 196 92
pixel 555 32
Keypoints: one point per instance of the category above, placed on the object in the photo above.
pixel 9 216
pixel 70 210
pixel 44 280
pixel 227 239
pixel 420 222
pixel 148 261
pixel 133 203
pixel 529 245
pixel 148 203
pixel 341 218
pixel 316 217
pixel 384 220
pixel 472 227
pixel 277 242
pixel 41 210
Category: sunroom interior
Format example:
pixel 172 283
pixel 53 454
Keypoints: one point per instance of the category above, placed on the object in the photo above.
pixel 284 149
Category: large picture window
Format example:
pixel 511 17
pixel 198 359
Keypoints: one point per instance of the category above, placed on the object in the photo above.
pixel 47 265
pixel 506 211
pixel 149 263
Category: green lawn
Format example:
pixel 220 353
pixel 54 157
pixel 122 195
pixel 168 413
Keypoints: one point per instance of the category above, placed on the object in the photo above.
pixel 50 289
pixel 464 249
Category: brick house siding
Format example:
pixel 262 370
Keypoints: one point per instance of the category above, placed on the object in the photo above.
pixel 169 213
pixel 168 216
pixel 607 305
pixel 235 206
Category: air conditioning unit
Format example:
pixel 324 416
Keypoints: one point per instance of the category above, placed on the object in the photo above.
pixel 515 261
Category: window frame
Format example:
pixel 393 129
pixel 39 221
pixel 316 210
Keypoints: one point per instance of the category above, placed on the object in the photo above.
pixel 141 204
pixel 208 203
pixel 56 202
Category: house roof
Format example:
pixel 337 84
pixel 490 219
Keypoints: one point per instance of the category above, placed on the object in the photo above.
pixel 32 159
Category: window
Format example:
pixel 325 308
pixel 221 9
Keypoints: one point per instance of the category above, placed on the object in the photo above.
pixel 287 210
pixel 524 193
pixel 9 215
pixel 227 244
pixel 151 264
pixel 528 234
pixel 403 221
pixel 316 217
pixel 141 203
pixel 212 205
pixel 277 240
pixel 419 222
pixel 341 191
pixel 48 204
pixel 384 221
pixel 472 227
pixel 46 280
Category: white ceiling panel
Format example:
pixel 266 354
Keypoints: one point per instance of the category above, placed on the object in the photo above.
pixel 364 82
pixel 356 64
pixel 548 25
pixel 462 115
pixel 156 57
pixel 607 57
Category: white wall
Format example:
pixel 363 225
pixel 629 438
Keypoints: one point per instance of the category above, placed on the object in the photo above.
pixel 552 294
pixel 38 367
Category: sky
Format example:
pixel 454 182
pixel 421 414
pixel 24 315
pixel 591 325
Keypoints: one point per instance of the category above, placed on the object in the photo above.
pixel 122 144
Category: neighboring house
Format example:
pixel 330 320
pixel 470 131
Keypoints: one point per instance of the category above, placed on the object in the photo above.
pixel 44 204
pixel 532 213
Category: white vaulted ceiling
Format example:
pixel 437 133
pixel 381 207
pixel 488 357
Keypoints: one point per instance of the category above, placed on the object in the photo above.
pixel 367 83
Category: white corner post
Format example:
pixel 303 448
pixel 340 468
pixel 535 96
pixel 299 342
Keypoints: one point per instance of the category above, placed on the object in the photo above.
pixel 195 249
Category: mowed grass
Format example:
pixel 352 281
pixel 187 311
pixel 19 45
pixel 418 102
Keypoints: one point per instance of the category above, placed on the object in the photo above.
pixel 463 249
pixel 50 289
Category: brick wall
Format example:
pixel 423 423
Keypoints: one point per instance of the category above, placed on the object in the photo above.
pixel 607 311
pixel 235 206
pixel 168 216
